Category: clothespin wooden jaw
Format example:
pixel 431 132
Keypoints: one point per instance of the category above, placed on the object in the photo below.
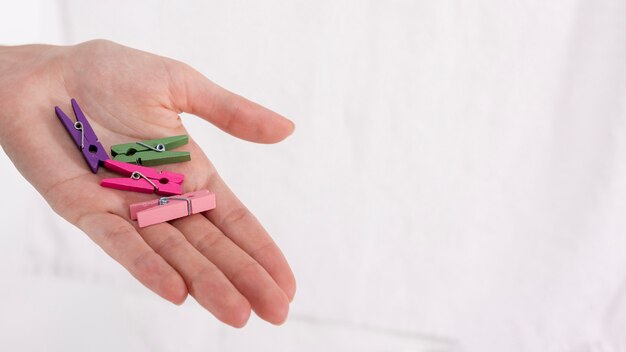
pixel 84 137
pixel 152 152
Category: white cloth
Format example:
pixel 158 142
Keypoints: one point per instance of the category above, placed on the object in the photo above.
pixel 456 182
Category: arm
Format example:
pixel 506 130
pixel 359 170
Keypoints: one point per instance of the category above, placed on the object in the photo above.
pixel 223 258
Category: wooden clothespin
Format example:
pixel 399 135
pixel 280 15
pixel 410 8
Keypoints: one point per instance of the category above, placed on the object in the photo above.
pixel 84 137
pixel 152 152
pixel 143 179
pixel 169 208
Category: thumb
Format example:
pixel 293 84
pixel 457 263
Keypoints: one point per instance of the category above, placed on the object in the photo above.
pixel 192 92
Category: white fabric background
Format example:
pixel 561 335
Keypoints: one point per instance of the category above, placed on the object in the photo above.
pixel 456 181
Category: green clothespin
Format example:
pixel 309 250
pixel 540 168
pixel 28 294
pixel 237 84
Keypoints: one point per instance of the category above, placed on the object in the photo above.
pixel 152 152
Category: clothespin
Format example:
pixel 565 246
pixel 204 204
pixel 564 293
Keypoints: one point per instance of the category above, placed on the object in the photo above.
pixel 143 179
pixel 152 152
pixel 84 137
pixel 169 208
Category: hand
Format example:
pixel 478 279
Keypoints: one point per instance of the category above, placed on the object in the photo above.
pixel 223 258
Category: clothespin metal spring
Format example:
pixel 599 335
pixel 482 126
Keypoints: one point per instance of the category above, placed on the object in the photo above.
pixel 137 175
pixel 159 147
pixel 166 200
pixel 79 126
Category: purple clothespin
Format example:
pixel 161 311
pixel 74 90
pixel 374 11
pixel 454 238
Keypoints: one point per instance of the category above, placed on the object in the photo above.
pixel 84 137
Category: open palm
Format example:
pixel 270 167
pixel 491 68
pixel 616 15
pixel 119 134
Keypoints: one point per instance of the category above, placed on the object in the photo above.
pixel 223 258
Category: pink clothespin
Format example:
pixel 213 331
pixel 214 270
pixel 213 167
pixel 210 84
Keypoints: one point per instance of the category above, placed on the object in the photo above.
pixel 143 179
pixel 169 208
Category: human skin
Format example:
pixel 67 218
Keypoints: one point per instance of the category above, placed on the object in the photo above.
pixel 223 258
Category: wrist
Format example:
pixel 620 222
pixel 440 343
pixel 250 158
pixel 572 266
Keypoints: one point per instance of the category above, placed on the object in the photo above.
pixel 22 68
pixel 21 59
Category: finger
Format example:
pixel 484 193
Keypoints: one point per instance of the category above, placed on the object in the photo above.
pixel 267 299
pixel 206 283
pixel 238 223
pixel 196 94
pixel 120 240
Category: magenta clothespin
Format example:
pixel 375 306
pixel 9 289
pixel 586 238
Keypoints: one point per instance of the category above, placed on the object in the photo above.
pixel 143 179
pixel 84 137
pixel 169 208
